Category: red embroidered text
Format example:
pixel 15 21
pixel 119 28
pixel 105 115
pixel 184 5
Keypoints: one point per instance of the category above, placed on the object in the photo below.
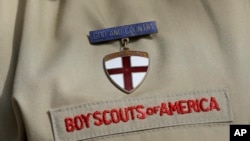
pixel 139 112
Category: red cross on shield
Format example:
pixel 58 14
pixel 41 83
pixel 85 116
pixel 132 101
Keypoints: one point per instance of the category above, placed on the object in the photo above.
pixel 127 69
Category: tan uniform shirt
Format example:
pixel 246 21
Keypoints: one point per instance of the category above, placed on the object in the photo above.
pixel 52 78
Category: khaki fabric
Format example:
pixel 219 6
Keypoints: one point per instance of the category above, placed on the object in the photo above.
pixel 47 62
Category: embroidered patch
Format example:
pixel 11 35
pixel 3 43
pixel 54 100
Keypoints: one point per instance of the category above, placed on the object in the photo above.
pixel 98 119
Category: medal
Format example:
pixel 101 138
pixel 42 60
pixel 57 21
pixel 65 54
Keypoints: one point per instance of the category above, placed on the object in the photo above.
pixel 126 69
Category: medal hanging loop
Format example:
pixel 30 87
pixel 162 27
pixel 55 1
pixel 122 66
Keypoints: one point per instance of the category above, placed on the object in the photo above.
pixel 125 42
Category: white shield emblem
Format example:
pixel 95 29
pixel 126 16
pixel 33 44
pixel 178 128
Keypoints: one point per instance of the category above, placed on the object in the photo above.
pixel 127 69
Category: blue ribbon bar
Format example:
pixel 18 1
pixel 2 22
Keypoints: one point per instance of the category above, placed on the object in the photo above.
pixel 126 31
